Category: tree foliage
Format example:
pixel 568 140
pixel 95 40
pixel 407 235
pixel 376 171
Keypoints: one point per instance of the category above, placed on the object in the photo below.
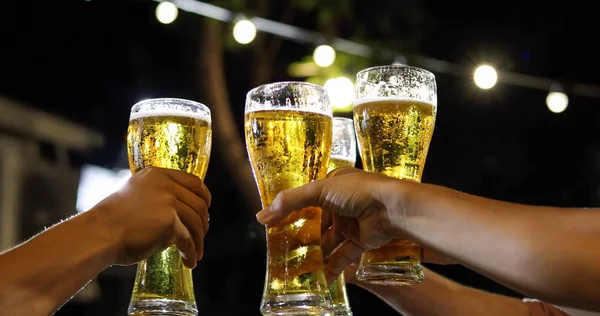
pixel 395 25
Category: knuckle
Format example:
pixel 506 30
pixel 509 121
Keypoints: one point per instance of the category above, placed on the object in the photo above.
pixel 154 172
pixel 207 191
pixel 149 170
pixel 164 185
pixel 320 196
pixel 174 214
pixel 209 197
pixel 199 226
pixel 278 201
pixel 282 196
pixel 199 205
pixel 173 224
pixel 170 200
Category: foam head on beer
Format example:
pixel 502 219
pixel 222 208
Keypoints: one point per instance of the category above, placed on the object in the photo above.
pixel 169 107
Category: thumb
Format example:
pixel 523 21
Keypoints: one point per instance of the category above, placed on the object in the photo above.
pixel 292 200
pixel 185 244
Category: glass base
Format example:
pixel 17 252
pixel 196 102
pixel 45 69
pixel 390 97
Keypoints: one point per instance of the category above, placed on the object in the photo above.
pixel 391 275
pixel 296 304
pixel 342 311
pixel 162 307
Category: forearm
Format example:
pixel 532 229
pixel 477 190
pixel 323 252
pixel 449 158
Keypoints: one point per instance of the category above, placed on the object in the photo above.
pixel 440 296
pixel 543 252
pixel 37 277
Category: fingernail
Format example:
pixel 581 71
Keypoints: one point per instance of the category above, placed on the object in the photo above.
pixel 263 216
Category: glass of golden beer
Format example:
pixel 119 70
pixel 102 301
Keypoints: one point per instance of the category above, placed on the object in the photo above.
pixel 288 136
pixel 343 154
pixel 394 116
pixel 175 134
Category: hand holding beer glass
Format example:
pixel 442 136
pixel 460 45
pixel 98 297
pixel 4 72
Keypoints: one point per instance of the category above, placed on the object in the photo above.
pixel 174 134
pixel 343 154
pixel 394 116
pixel 288 129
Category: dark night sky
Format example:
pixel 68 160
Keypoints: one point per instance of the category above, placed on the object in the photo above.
pixel 91 60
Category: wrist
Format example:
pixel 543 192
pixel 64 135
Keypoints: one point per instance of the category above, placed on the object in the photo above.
pixel 102 232
pixel 401 205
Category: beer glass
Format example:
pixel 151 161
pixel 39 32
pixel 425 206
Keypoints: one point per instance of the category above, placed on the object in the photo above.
pixel 175 134
pixel 288 129
pixel 394 116
pixel 343 154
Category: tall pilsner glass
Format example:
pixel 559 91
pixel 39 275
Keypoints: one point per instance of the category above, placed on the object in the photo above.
pixel 175 134
pixel 343 154
pixel 288 136
pixel 394 116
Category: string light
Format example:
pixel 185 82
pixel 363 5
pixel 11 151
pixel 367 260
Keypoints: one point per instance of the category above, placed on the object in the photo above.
pixel 244 31
pixel 337 90
pixel 324 56
pixel 166 12
pixel 489 78
pixel 485 77
pixel 557 101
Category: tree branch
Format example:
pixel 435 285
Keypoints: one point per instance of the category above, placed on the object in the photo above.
pixel 226 134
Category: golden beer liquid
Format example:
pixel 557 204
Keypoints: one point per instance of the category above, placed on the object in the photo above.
pixel 339 295
pixel 175 142
pixel 287 149
pixel 394 136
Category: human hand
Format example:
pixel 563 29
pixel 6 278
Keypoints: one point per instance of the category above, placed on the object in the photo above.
pixel 155 209
pixel 364 212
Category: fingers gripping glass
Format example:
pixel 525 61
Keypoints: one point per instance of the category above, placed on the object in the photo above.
pixel 394 114
pixel 288 129
pixel 174 134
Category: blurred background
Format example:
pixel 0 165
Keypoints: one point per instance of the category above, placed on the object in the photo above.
pixel 522 129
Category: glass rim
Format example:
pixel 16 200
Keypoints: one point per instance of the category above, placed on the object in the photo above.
pixel 280 83
pixel 398 70
pixel 306 96
pixel 391 67
pixel 187 102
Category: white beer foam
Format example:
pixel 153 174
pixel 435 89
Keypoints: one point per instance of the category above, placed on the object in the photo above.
pixel 344 158
pixel 360 101
pixel 255 107
pixel 150 113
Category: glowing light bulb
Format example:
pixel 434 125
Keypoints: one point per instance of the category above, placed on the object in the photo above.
pixel 244 31
pixel 324 56
pixel 557 102
pixel 166 12
pixel 485 77
pixel 340 91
